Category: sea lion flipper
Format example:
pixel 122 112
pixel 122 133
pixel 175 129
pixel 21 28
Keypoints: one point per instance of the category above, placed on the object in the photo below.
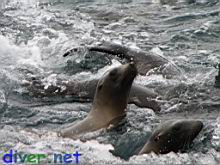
pixel 70 51
pixel 144 97
pixel 81 127
pixel 147 103
pixel 112 48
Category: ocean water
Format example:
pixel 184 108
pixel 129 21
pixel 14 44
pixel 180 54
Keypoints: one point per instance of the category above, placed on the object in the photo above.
pixel 34 34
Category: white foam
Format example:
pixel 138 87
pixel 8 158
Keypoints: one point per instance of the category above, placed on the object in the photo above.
pixel 12 55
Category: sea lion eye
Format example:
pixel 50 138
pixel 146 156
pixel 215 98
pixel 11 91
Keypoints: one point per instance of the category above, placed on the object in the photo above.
pixel 113 73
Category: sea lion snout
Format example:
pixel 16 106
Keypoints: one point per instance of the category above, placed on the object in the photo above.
pixel 133 66
pixel 131 69
pixel 127 74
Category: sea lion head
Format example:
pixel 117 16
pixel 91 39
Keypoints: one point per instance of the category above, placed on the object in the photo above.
pixel 113 88
pixel 172 136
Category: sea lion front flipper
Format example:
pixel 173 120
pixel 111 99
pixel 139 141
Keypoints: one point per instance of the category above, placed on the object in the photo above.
pixel 112 48
pixel 146 103
pixel 143 97
pixel 74 130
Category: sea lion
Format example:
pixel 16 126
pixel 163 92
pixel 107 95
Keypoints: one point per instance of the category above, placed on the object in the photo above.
pixel 84 91
pixel 143 97
pixel 173 136
pixel 144 61
pixel 110 101
pixel 217 78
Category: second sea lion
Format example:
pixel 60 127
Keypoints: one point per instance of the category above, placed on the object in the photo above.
pixel 173 135
pixel 143 60
pixel 84 91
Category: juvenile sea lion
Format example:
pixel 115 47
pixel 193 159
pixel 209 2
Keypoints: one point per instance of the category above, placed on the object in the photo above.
pixel 144 61
pixel 84 91
pixel 173 136
pixel 110 101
